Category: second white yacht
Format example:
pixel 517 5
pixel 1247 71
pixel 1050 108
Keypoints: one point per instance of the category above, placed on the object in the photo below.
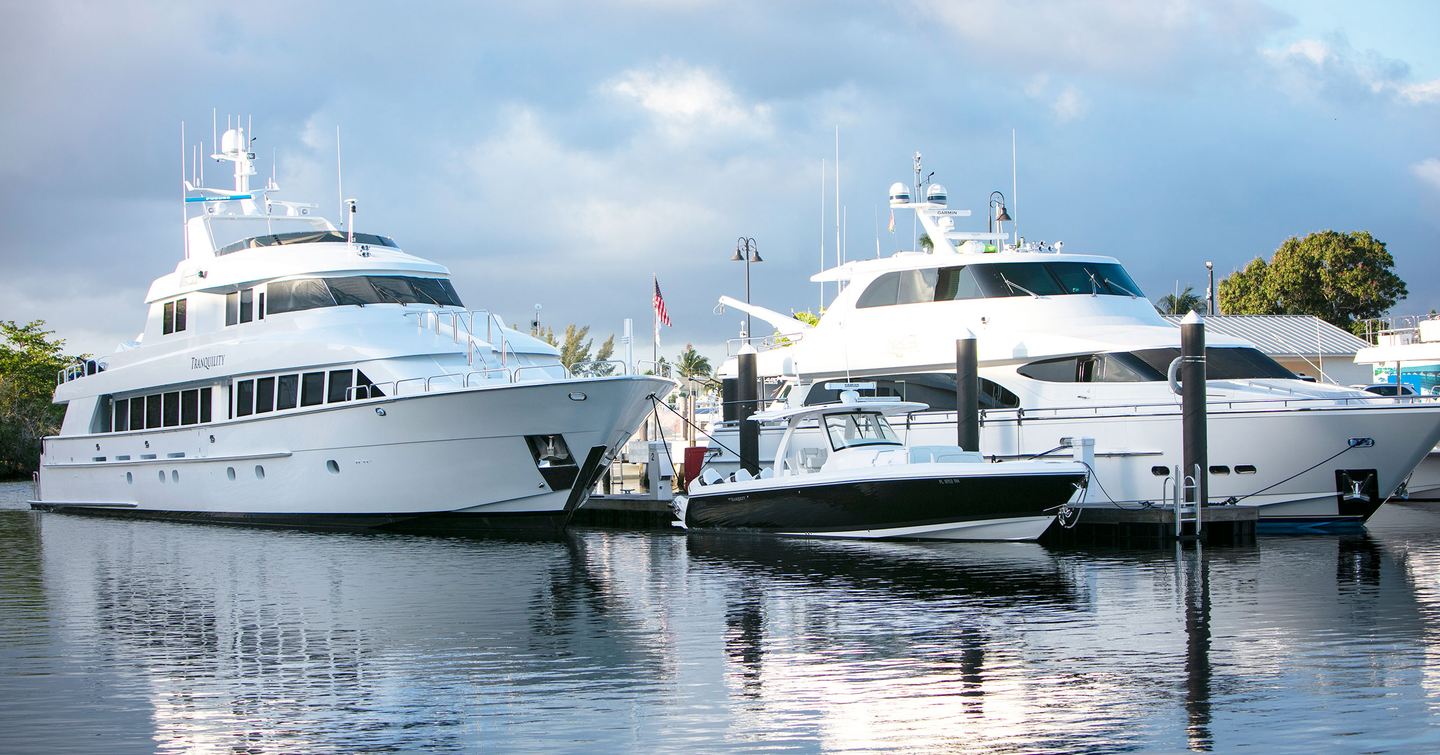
pixel 294 373
pixel 1068 348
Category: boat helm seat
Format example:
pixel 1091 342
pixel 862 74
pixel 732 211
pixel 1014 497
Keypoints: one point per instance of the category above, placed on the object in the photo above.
pixel 767 473
pixel 708 476
pixel 811 459
pixel 741 475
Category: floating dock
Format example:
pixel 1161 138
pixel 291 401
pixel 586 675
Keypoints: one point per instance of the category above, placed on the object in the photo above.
pixel 1151 526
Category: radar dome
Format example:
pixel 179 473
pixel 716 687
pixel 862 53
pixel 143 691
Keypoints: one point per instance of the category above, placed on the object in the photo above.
pixel 936 194
pixel 232 141
pixel 899 194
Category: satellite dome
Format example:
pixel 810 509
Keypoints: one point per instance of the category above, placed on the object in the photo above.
pixel 899 194
pixel 936 194
pixel 232 141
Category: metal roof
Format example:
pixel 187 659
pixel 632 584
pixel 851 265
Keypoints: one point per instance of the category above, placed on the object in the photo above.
pixel 1285 335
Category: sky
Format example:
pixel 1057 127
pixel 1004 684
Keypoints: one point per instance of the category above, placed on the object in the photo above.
pixel 560 154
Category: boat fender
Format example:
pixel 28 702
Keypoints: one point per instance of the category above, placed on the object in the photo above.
pixel 678 505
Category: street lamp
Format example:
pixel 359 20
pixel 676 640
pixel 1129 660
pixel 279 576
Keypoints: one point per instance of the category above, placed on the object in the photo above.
pixel 1210 290
pixel 746 251
pixel 998 214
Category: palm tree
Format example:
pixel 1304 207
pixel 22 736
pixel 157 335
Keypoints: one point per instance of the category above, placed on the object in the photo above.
pixel 1180 302
pixel 694 371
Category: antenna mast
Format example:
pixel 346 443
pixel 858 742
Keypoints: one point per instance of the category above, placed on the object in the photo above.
pixel 1014 190
pixel 339 172
pixel 822 232
pixel 184 214
pixel 838 284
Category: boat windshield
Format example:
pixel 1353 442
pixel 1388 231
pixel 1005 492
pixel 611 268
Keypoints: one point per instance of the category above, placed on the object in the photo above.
pixel 859 429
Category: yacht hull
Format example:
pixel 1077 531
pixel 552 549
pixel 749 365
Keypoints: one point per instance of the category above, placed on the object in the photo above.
pixel 956 504
pixel 1295 465
pixel 447 460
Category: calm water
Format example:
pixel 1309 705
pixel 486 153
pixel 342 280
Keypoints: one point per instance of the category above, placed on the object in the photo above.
pixel 139 636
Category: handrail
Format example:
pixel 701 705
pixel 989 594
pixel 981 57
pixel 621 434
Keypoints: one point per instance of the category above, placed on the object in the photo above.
pixel 598 368
pixel 464 321
pixel 762 343
pixel 655 368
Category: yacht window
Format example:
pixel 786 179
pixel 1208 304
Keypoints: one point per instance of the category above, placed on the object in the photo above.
pixel 264 395
pixel 1114 367
pixel 172 408
pixel 205 405
pixel 247 305
pixel 137 413
pixel 1016 279
pixel 312 388
pixel 1093 278
pixel 244 398
pixel 104 418
pixel 859 429
pixel 180 315
pixel 364 388
pixel 304 237
pixel 393 289
pixel 882 293
pixel 296 295
pixel 339 386
pixel 152 411
pixel 260 309
pixel 996 396
pixel 189 407
pixel 935 389
pixel 958 283
pixel 232 308
pixel 1222 363
pixel 167 318
pixel 287 392
pixel 122 416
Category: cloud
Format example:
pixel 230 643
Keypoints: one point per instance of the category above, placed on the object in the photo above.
pixel 1314 69
pixel 1428 171
pixel 1067 104
pixel 689 104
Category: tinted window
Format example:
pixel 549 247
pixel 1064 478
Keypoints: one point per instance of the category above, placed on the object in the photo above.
pixel 137 413
pixel 293 296
pixel 167 319
pixel 958 283
pixel 152 411
pixel 287 392
pixel 232 308
pixel 244 398
pixel 1016 279
pixel 264 395
pixel 1222 363
pixel 189 407
pixel 247 305
pixel 1115 367
pixel 205 404
pixel 364 388
pixel 339 386
pixel 172 409
pixel 881 293
pixel 122 415
pixel 935 389
pixel 312 388
pixel 180 315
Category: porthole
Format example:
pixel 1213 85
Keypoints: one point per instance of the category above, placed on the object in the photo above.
pixel 129 478
pixel 1159 471
pixel 174 475
pixel 230 472
pixel 259 472
pixel 162 475
pixel 1244 469
pixel 333 466
pixel 1219 469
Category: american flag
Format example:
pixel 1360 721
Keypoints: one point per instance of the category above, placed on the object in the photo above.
pixel 660 313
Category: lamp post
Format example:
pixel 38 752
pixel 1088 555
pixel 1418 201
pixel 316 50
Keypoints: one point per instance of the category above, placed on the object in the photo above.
pixel 746 251
pixel 998 214
pixel 1210 289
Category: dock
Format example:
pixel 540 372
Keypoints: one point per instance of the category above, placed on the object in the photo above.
pixel 627 510
pixel 1153 526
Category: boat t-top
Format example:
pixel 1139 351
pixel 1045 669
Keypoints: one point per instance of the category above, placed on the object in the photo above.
pixel 293 372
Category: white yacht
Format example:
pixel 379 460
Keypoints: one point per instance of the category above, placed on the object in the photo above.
pixel 1069 347
pixel 291 372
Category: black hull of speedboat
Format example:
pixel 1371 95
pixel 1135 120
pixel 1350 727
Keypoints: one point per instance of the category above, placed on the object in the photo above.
pixel 978 507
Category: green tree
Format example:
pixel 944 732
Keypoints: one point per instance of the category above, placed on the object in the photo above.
pixel 1180 302
pixel 29 360
pixel 926 245
pixel 1342 278
pixel 691 365
pixel 575 347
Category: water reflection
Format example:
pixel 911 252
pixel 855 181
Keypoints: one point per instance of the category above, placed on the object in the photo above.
pixel 183 638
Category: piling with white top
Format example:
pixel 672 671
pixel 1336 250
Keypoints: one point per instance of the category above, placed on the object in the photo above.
pixel 967 392
pixel 1196 456
pixel 747 402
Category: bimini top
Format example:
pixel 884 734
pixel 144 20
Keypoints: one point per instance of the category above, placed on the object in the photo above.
pixel 850 402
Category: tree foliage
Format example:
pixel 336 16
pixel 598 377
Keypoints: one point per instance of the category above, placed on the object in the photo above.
pixel 690 365
pixel 1342 278
pixel 29 360
pixel 1181 303
pixel 575 347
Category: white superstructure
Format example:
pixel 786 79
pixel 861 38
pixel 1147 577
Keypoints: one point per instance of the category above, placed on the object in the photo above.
pixel 1069 347
pixel 291 371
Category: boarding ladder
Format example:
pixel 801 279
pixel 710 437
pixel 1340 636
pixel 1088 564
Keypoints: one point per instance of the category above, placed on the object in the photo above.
pixel 1188 487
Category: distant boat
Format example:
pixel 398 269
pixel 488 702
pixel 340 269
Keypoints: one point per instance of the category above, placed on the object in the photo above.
pixel 851 476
